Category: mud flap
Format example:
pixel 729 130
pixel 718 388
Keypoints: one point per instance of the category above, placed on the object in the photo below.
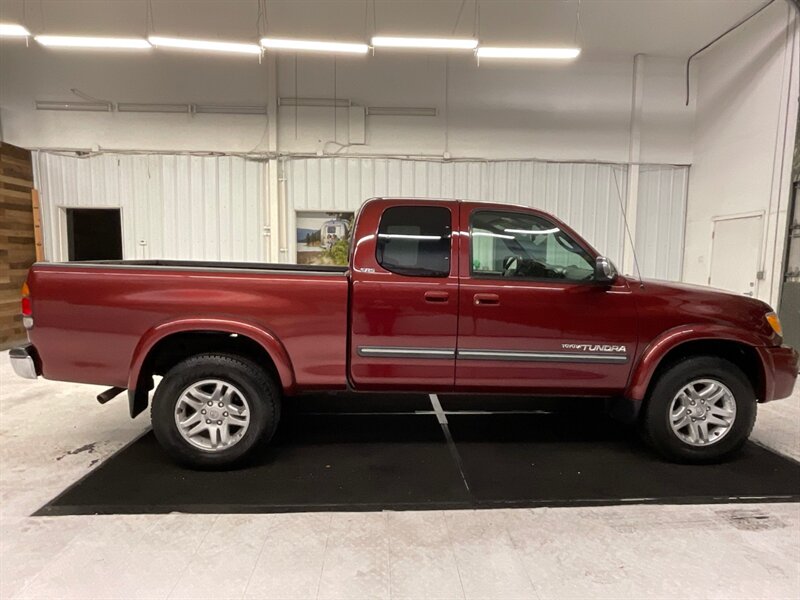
pixel 624 410
pixel 137 398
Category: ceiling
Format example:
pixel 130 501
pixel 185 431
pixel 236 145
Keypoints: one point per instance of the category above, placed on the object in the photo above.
pixel 672 28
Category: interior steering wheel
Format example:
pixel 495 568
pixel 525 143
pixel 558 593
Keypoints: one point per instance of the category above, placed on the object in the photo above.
pixel 511 265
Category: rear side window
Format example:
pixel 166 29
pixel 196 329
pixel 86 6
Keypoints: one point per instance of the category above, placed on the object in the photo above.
pixel 415 241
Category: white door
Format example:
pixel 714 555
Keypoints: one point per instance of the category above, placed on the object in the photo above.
pixel 735 252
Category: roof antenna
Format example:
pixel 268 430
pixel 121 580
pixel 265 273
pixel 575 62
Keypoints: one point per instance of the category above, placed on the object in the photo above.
pixel 627 228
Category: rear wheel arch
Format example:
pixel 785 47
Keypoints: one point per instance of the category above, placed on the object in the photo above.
pixel 167 345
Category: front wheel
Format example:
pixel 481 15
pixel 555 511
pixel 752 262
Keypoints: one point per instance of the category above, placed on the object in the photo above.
pixel 702 409
pixel 212 410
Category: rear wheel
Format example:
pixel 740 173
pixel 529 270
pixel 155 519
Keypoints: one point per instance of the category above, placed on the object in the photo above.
pixel 702 409
pixel 212 410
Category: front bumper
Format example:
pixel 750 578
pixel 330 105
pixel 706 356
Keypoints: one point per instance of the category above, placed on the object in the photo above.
pixel 23 362
pixel 781 364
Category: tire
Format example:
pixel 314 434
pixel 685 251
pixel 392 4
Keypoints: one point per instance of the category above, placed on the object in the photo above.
pixel 663 398
pixel 238 400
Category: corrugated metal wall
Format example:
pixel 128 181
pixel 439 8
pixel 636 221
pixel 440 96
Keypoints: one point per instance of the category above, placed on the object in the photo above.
pixel 661 220
pixel 216 208
pixel 583 195
pixel 172 206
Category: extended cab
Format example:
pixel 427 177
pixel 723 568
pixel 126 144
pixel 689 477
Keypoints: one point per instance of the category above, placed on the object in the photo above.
pixel 439 297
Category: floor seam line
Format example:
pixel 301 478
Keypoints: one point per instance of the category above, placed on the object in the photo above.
pixel 455 558
pixel 324 555
pixel 194 553
pixel 441 417
pixel 519 559
pixel 258 558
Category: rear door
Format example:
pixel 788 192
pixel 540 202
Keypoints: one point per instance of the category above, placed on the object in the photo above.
pixel 404 296
pixel 532 317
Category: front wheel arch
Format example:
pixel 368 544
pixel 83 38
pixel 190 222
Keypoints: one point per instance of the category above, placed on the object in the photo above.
pixel 742 354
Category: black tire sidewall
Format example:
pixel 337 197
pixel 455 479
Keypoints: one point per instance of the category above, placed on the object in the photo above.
pixel 254 383
pixel 656 422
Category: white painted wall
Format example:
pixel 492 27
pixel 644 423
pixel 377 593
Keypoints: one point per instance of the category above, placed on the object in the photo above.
pixel 746 97
pixel 571 111
pixel 575 111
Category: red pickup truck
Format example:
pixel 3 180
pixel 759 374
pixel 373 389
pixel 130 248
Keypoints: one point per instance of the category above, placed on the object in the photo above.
pixel 440 297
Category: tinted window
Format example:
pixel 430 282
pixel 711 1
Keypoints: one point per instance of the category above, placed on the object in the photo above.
pixel 415 241
pixel 520 245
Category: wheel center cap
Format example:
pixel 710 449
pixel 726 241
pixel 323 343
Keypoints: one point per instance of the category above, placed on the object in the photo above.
pixel 214 414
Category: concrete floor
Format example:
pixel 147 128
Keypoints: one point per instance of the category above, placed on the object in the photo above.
pixel 53 433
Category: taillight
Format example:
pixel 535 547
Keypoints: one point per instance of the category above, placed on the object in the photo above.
pixel 27 310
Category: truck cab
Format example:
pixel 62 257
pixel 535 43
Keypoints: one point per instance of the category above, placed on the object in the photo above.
pixel 475 297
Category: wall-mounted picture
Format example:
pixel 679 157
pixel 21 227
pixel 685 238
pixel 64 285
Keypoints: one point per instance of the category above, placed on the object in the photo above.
pixel 323 238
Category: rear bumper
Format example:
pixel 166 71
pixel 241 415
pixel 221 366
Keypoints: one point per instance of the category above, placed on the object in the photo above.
pixel 780 368
pixel 23 362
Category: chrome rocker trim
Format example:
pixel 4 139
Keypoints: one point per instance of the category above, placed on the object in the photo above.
pixel 503 355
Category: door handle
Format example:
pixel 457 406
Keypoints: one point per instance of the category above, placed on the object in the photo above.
pixel 439 297
pixel 486 299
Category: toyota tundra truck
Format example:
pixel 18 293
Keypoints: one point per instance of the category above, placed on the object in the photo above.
pixel 440 296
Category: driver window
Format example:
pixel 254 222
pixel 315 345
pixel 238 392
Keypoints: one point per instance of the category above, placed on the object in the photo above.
pixel 524 246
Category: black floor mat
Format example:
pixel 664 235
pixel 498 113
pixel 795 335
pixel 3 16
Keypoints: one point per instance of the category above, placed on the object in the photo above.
pixel 397 462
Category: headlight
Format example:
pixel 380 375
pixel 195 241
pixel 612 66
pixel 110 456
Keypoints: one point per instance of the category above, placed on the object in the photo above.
pixel 774 322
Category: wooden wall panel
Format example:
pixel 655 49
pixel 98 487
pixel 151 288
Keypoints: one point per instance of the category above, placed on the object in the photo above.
pixel 17 245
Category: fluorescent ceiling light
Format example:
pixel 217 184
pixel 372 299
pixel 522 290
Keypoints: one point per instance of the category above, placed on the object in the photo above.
pixel 408 236
pixel 532 231
pixel 544 53
pixel 381 41
pixel 492 235
pixel 71 41
pixel 13 30
pixel 286 44
pixel 69 105
pixel 186 44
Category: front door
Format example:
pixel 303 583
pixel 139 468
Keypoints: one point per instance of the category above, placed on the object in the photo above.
pixel 532 317
pixel 404 298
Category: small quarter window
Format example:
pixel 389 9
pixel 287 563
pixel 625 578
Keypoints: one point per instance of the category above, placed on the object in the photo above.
pixel 415 241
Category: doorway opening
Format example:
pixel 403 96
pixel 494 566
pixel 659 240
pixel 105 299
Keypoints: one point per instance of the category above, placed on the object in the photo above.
pixel 94 234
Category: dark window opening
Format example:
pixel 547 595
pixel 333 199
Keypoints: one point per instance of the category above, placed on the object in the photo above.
pixel 415 241
pixel 94 234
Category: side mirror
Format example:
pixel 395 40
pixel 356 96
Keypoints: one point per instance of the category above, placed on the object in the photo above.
pixel 604 270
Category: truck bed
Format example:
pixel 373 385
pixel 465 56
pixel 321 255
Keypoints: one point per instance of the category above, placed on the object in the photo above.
pixel 92 318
